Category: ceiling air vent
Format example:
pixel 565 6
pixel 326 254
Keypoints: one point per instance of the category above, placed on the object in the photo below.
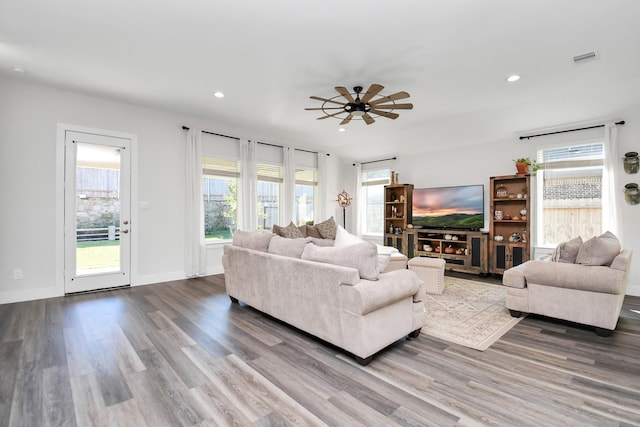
pixel 589 56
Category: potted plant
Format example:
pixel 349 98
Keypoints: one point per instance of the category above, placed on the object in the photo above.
pixel 524 165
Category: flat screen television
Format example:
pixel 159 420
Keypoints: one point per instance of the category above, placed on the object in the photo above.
pixel 460 207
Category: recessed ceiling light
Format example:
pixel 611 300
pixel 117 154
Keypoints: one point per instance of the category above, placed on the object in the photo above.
pixel 513 78
pixel 341 129
pixel 218 94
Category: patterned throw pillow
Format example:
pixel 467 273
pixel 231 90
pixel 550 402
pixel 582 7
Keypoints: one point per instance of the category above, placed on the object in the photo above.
pixel 327 229
pixel 312 231
pixel 291 231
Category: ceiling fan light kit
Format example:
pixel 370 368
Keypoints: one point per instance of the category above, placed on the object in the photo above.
pixel 371 103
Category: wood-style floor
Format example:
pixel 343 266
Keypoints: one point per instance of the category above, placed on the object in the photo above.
pixel 180 353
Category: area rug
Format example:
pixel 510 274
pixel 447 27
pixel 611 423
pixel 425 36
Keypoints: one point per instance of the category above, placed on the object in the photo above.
pixel 469 313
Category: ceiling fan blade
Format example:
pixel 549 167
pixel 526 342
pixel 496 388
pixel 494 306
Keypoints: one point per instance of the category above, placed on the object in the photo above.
pixel 395 106
pixel 346 120
pixel 324 108
pixel 367 118
pixel 387 114
pixel 329 115
pixel 317 98
pixel 344 92
pixel 394 97
pixel 373 90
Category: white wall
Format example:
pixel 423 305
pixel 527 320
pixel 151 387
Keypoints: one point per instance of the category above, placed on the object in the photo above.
pixel 475 164
pixel 29 116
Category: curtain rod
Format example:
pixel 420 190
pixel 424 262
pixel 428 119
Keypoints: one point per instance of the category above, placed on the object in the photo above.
pixel 568 130
pixel 376 161
pixel 258 142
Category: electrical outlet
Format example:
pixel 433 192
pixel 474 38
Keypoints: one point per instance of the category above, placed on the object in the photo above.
pixel 17 274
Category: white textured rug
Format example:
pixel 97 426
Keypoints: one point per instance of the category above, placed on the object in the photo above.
pixel 469 313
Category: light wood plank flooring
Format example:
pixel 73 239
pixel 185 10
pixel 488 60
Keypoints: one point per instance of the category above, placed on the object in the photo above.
pixel 180 353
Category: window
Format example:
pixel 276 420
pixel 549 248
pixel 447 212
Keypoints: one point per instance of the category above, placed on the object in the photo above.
pixel 570 185
pixel 373 182
pixel 219 190
pixel 268 191
pixel 306 185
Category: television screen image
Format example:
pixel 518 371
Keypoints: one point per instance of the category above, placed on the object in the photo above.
pixel 460 207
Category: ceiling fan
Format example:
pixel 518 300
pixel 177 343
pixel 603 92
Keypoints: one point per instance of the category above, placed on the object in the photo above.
pixel 371 103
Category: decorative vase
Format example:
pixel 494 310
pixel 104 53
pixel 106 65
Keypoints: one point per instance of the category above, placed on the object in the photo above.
pixel 631 162
pixel 632 193
pixel 498 215
pixel 522 168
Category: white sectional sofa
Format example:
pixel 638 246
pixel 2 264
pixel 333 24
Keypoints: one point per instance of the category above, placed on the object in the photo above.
pixel 330 301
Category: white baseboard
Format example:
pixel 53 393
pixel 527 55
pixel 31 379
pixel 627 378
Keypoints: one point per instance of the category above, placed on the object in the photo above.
pixel 633 290
pixel 148 279
pixel 29 295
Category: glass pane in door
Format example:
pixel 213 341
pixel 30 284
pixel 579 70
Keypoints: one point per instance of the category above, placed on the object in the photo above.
pixel 97 209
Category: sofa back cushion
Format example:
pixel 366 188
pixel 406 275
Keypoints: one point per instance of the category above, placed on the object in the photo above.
pixel 288 247
pixel 361 256
pixel 344 238
pixel 257 240
pixel 599 250
pixel 567 251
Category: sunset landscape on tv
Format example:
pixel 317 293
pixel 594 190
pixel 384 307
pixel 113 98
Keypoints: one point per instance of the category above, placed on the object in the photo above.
pixel 459 207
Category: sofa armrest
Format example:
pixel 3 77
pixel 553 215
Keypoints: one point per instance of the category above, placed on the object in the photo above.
pixel 575 276
pixel 368 295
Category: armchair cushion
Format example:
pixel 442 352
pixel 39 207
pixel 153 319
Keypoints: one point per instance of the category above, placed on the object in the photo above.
pixel 567 251
pixel 599 250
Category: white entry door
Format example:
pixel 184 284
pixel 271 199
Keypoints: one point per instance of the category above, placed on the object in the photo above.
pixel 97 212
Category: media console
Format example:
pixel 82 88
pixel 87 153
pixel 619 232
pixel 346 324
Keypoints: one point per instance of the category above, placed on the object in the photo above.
pixel 464 251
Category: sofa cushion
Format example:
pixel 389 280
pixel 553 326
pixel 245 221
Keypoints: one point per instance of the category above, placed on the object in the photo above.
pixel 362 256
pixel 327 229
pixel 288 247
pixel 344 238
pixel 319 241
pixel 257 240
pixel 567 251
pixel 599 250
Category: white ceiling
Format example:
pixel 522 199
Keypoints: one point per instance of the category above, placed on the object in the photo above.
pixel 268 57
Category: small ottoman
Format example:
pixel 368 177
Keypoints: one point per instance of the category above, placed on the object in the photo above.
pixel 431 271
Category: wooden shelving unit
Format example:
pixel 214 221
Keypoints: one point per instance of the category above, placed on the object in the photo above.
pixel 465 251
pixel 397 214
pixel 510 199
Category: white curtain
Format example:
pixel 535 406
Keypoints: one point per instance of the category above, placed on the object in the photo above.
pixel 610 190
pixel 247 200
pixel 195 249
pixel 289 166
pixel 360 203
pixel 321 208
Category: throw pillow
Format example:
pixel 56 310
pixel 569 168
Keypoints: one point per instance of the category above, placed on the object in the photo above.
pixel 362 256
pixel 288 247
pixel 291 231
pixel 256 240
pixel 344 238
pixel 327 229
pixel 277 230
pixel 599 250
pixel 567 251
pixel 312 231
